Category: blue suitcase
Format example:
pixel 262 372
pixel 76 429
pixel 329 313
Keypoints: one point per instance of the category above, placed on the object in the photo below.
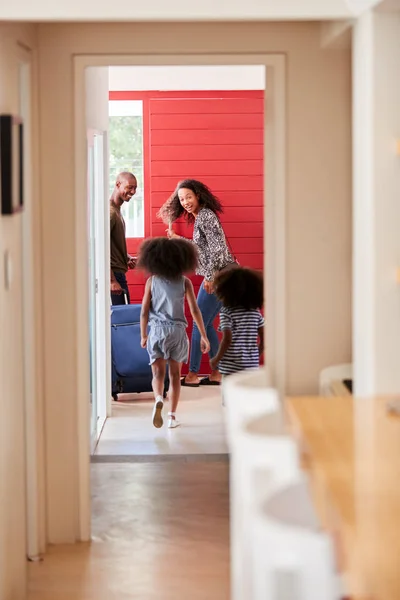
pixel 131 371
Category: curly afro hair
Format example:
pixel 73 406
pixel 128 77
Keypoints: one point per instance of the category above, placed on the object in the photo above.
pixel 172 209
pixel 240 287
pixel 169 259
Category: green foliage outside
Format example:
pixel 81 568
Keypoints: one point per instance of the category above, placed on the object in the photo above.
pixel 126 154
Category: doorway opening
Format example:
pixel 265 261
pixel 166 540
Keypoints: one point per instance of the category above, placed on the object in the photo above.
pixel 274 210
pixel 166 124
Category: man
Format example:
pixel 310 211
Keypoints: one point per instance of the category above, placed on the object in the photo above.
pixel 125 188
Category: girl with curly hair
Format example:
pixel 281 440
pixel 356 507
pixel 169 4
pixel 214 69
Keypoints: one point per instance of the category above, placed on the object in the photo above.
pixel 241 292
pixel 163 310
pixel 195 201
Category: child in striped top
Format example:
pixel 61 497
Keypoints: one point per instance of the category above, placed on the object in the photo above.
pixel 241 292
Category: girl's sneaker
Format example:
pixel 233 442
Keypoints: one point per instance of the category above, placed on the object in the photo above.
pixel 157 412
pixel 172 421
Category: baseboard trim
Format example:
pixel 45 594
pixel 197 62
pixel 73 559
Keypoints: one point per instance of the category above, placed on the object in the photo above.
pixel 157 458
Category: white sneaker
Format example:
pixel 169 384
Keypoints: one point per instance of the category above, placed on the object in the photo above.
pixel 172 423
pixel 157 412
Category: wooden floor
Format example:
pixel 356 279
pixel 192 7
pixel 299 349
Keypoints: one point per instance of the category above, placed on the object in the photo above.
pixel 160 532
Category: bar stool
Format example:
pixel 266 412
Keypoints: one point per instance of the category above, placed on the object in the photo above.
pixel 266 459
pixel 293 558
pixel 247 396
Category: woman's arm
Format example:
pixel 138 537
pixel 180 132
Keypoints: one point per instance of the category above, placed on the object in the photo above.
pixel 144 313
pixel 196 314
pixel 172 234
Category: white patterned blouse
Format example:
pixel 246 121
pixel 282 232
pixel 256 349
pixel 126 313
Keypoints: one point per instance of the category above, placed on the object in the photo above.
pixel 209 237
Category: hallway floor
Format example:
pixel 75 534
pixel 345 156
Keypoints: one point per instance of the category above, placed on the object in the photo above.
pixel 160 532
pixel 160 502
pixel 130 430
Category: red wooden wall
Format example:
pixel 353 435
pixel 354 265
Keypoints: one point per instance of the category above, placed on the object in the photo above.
pixel 216 137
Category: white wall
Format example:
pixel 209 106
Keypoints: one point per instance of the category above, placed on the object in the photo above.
pixel 97 98
pixel 240 77
pixel 376 307
pixel 12 421
pixel 182 10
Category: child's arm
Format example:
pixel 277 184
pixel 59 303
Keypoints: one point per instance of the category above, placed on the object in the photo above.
pixel 261 340
pixel 223 347
pixel 144 313
pixel 260 334
pixel 196 314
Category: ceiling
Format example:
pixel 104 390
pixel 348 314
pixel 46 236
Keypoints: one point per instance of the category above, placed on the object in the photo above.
pixel 182 10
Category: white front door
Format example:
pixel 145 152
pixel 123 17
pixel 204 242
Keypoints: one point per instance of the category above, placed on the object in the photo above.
pixel 99 306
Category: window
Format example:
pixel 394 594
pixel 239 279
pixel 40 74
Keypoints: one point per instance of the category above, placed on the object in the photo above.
pixel 126 154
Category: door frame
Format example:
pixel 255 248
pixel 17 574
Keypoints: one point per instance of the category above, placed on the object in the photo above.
pixel 274 226
pixel 32 315
pixel 101 232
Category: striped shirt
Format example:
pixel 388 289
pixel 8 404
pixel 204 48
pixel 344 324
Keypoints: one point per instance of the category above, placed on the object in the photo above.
pixel 243 352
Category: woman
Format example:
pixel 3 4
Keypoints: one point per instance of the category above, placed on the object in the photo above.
pixel 198 205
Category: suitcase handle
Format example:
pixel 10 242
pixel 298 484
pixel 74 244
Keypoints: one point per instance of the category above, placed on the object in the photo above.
pixel 125 297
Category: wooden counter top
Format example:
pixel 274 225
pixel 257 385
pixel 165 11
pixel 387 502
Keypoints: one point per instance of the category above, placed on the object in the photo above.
pixel 351 447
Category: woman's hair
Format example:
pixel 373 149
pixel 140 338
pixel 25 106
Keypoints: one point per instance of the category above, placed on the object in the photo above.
pixel 240 287
pixel 166 258
pixel 172 209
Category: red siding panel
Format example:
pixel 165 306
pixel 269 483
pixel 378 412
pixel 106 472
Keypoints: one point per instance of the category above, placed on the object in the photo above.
pixel 207 121
pixel 182 137
pixel 216 137
pixel 208 106
pixel 226 152
pixel 233 166
pixel 217 183
pixel 238 214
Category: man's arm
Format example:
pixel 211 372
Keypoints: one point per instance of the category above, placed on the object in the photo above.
pixel 132 260
pixel 144 313
pixel 115 287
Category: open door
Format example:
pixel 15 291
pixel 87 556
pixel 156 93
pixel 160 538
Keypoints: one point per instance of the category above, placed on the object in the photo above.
pixel 98 283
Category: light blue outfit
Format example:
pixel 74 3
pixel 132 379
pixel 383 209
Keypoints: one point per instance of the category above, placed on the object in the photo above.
pixel 167 337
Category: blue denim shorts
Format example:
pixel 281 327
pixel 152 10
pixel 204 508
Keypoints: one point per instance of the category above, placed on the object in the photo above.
pixel 168 342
